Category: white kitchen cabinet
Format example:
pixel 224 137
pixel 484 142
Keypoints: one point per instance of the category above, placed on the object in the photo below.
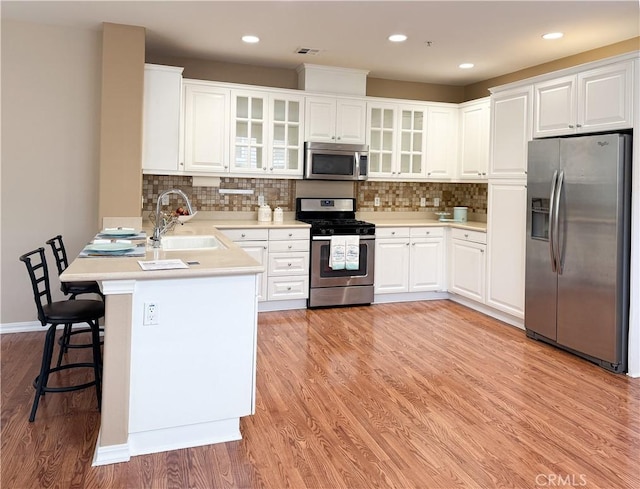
pixel 511 115
pixel 285 147
pixel 468 264
pixel 474 139
pixel 206 128
pixel 161 119
pixel 256 243
pixel 442 142
pixel 265 133
pixel 335 120
pixel 288 269
pixel 506 241
pixel 392 260
pixel 397 140
pixel 248 131
pixel 427 260
pixel 409 260
pixel 382 134
pixel 594 100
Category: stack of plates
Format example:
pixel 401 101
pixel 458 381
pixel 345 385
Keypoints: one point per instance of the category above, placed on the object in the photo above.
pixel 118 232
pixel 100 247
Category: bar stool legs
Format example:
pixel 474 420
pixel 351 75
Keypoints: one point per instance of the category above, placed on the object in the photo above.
pixel 41 382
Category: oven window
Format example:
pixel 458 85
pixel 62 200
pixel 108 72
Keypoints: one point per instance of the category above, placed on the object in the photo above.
pixel 328 164
pixel 325 271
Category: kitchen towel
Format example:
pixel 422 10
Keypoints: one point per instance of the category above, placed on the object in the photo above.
pixel 352 247
pixel 337 253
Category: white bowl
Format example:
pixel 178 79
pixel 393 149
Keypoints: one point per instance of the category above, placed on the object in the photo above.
pixel 184 219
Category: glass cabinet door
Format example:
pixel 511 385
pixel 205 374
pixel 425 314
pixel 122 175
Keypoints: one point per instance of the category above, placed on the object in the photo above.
pixel 248 132
pixel 286 143
pixel 381 138
pixel 412 141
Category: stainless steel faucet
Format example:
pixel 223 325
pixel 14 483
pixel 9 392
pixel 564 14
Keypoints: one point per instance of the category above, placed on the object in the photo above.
pixel 160 226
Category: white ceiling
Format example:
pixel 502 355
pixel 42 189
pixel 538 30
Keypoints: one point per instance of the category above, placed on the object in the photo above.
pixel 498 36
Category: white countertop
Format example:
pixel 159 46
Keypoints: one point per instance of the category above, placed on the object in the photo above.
pixel 469 225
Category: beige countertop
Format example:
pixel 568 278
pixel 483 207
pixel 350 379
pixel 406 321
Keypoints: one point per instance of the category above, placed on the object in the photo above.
pixel 469 225
pixel 230 260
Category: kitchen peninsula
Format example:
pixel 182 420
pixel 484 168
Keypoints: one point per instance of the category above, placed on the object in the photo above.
pixel 185 376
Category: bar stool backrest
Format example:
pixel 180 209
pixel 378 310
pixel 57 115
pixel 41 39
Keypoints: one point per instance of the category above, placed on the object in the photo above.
pixel 39 274
pixel 59 253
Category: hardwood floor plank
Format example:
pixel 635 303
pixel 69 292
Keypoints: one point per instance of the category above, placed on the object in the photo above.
pixel 407 395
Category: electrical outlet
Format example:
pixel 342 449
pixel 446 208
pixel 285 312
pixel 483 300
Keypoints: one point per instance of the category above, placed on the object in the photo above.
pixel 376 201
pixel 423 201
pixel 436 202
pixel 260 199
pixel 165 200
pixel 150 314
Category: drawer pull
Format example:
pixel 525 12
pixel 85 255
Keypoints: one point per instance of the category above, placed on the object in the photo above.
pixel 243 235
pixel 288 264
pixel 290 234
pixel 289 288
pixel 466 235
pixel 428 232
pixel 289 246
pixel 393 232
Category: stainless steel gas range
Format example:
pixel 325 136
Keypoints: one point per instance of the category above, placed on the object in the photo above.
pixel 332 283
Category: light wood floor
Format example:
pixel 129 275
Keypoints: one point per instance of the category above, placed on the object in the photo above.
pixel 413 395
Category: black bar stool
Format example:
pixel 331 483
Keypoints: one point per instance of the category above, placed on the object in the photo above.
pixel 71 289
pixel 67 312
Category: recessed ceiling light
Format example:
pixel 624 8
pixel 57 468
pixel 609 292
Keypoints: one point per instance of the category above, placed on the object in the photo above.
pixel 397 38
pixel 466 66
pixel 251 39
pixel 553 35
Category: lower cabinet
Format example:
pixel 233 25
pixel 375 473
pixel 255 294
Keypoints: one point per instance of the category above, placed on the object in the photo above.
pixel 506 241
pixel 284 252
pixel 468 264
pixel 409 260
pixel 288 270
pixel 255 243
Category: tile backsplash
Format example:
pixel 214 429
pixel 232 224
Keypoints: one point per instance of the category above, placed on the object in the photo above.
pixel 394 196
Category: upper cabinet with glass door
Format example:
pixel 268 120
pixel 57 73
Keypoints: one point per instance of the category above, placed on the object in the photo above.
pixel 265 133
pixel 285 142
pixel 397 141
pixel 412 142
pixel 248 131
pixel 382 138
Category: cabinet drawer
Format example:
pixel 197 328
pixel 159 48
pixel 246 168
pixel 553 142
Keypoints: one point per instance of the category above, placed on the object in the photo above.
pixel 246 234
pixel 284 288
pixel 288 246
pixel 398 232
pixel 288 233
pixel 465 235
pixel 288 263
pixel 427 232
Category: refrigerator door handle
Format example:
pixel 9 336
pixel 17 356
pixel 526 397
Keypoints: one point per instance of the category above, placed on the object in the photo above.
pixel 552 227
pixel 556 222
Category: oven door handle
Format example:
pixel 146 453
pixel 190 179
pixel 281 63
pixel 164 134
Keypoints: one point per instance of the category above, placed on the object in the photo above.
pixel 365 237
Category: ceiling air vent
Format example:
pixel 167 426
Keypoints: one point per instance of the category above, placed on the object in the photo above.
pixel 308 51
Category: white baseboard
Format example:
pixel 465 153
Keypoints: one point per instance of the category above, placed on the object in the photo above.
pixel 112 454
pixel 409 297
pixel 269 306
pixel 24 327
pixel 489 311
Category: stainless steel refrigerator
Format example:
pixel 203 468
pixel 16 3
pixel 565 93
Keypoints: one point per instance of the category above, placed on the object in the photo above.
pixel 578 245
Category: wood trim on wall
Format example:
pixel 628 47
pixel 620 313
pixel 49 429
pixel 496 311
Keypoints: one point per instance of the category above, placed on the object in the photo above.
pixel 481 89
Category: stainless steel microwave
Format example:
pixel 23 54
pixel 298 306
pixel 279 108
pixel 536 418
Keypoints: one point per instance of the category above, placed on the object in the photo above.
pixel 335 161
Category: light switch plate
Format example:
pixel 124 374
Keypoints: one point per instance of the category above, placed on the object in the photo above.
pixel 376 201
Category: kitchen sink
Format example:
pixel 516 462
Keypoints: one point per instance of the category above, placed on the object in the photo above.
pixel 198 242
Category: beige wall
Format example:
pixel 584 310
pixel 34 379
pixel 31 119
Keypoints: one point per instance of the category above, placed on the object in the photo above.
pixel 50 115
pixel 378 87
pixel 121 120
pixel 481 89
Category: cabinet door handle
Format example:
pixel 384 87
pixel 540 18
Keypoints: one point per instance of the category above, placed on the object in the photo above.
pixel 393 232
pixel 570 126
pixel 265 247
pixel 290 234
pixel 289 246
pixel 578 125
pixel 271 168
pixel 288 264
pixel 226 166
pixel 481 251
pixel 466 235
pixel 408 244
pixel 289 288
pixel 243 235
pixel 265 168
pixel 428 232
pixel 413 244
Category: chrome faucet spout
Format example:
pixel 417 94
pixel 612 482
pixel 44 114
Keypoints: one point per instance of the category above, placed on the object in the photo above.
pixel 160 227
